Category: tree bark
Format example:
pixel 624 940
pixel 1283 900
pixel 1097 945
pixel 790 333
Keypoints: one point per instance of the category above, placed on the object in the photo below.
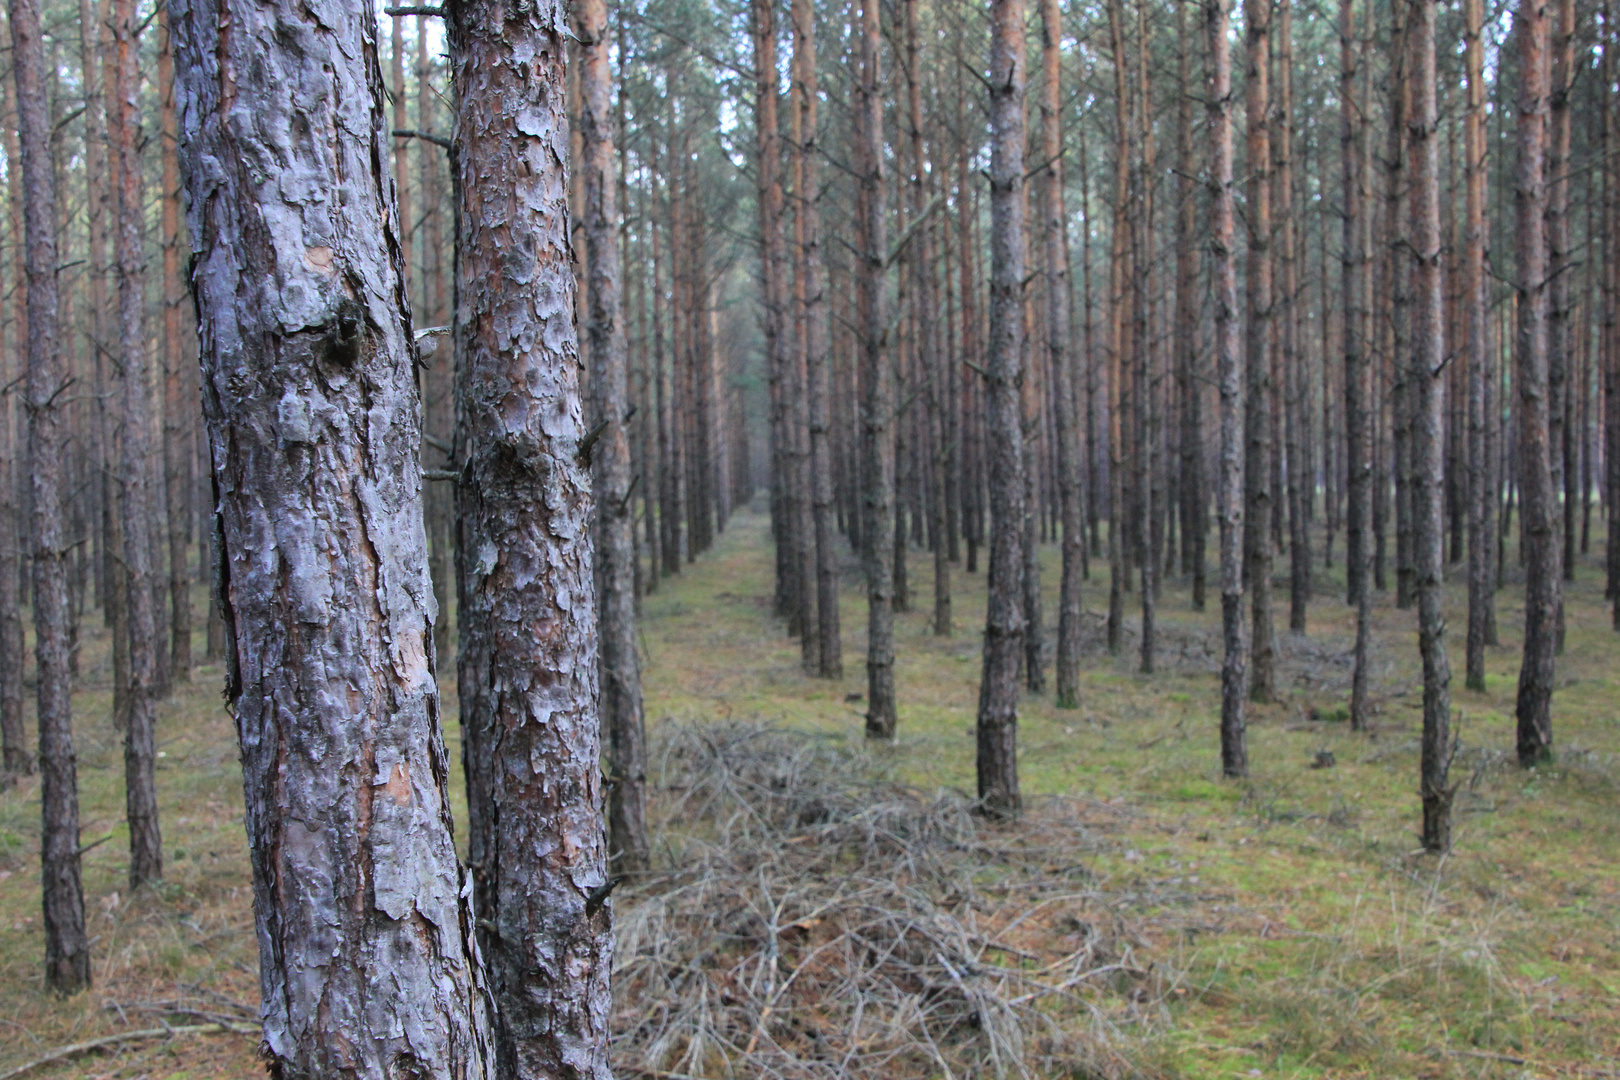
pixel 1428 378
pixel 528 666
pixel 1257 341
pixel 1295 412
pixel 367 964
pixel 140 736
pixel 1533 709
pixel 878 404
pixel 178 409
pixel 1561 359
pixel 1229 491
pixel 1004 620
pixel 618 669
pixel 1482 483
pixel 1193 513
pixel 1358 435
pixel 67 950
pixel 809 279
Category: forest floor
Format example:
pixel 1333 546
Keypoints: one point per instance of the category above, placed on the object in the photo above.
pixel 1291 927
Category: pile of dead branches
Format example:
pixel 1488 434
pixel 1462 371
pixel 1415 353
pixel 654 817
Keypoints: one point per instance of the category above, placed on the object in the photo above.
pixel 814 918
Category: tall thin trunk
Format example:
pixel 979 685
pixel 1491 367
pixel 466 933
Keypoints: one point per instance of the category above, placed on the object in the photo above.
pixel 1428 379
pixel 536 839
pixel 1561 357
pixel 809 280
pixel 1146 391
pixel 878 404
pixel 1054 229
pixel 16 759
pixel 1290 353
pixel 1190 390
pixel 1358 400
pixel 177 409
pixel 1257 342
pixel 1481 476
pixel 1229 378
pixel 618 669
pixel 1118 559
pixel 140 736
pixel 67 950
pixel 1541 550
pixel 323 574
pixel 1004 619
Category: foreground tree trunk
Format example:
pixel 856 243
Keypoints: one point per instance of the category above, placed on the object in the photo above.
pixel 1481 476
pixel 140 734
pixel 1004 621
pixel 1257 341
pixel 1427 379
pixel 1541 550
pixel 67 950
pixel 367 964
pixel 1054 230
pixel 1228 374
pixel 877 450
pixel 809 280
pixel 1358 399
pixel 618 668
pixel 528 665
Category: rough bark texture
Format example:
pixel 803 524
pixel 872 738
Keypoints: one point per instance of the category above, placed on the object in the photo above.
pixel 1228 374
pixel 367 964
pixel 1054 229
pixel 1257 344
pixel 618 668
pixel 67 951
pixel 1428 381
pixel 1541 550
pixel 809 279
pixel 1004 620
pixel 137 495
pixel 179 406
pixel 1354 267
pixel 877 446
pixel 528 664
pixel 1481 476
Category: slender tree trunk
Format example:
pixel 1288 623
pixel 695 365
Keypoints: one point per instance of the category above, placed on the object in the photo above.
pixel 1186 326
pixel 1481 476
pixel 809 279
pixel 1292 357
pixel 1004 621
pixel 1428 378
pixel 877 408
pixel 618 669
pixel 17 758
pixel 67 951
pixel 1054 229
pixel 323 576
pixel 1228 367
pixel 1358 400
pixel 1118 557
pixel 1145 392
pixel 177 409
pixel 1257 341
pixel 1541 550
pixel 1561 358
pixel 140 737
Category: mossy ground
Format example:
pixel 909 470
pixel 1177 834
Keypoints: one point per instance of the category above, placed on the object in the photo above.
pixel 1297 928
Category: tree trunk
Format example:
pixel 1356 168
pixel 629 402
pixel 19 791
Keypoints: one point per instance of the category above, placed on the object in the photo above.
pixel 323 580
pixel 1541 550
pixel 809 280
pixel 177 408
pixel 1358 400
pixel 1257 340
pixel 140 737
pixel 1054 228
pixel 1190 390
pixel 1287 321
pixel 1561 362
pixel 67 951
pixel 618 670
pixel 1146 390
pixel 536 839
pixel 1229 491
pixel 1004 620
pixel 878 404
pixel 1428 379
pixel 1481 476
